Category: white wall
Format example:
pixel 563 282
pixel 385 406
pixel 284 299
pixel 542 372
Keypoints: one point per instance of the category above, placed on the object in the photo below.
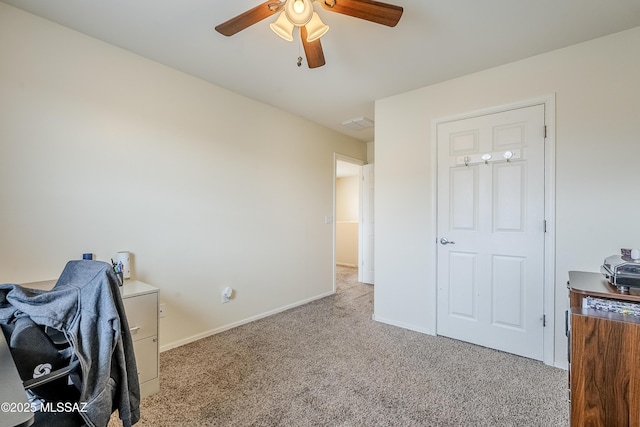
pixel 597 150
pixel 370 152
pixel 102 150
pixel 347 217
pixel 348 198
pixel 347 243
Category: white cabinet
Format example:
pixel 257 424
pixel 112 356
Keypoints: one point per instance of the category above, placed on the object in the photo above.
pixel 141 306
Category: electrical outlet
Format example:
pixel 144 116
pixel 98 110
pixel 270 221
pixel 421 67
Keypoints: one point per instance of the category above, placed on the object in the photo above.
pixel 226 294
pixel 163 309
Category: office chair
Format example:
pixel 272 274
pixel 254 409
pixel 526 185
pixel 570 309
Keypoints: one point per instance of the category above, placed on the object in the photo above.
pixel 50 375
pixel 72 346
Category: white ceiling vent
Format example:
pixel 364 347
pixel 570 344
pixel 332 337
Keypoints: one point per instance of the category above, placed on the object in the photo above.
pixel 358 123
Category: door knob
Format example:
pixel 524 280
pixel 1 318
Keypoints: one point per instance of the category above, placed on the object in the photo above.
pixel 445 241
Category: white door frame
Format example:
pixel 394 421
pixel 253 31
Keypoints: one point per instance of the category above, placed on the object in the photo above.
pixel 549 102
pixel 342 157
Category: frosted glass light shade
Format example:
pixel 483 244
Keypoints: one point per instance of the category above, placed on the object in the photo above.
pixel 298 19
pixel 283 27
pixel 316 28
pixel 298 6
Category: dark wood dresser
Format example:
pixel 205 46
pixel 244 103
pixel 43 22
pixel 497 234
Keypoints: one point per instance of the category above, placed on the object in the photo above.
pixel 604 354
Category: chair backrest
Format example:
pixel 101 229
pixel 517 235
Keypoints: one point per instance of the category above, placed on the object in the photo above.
pixel 36 356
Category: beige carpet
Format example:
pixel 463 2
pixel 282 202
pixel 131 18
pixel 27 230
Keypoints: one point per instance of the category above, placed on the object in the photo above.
pixel 328 363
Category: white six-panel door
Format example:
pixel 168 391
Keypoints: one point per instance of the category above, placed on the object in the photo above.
pixel 491 211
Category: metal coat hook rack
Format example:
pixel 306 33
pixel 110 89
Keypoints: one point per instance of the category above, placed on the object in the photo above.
pixel 493 157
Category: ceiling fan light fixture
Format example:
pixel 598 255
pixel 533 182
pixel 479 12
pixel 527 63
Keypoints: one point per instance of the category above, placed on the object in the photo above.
pixel 298 6
pixel 298 18
pixel 283 28
pixel 300 13
pixel 316 28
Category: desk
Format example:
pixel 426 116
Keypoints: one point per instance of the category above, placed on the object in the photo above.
pixel 11 390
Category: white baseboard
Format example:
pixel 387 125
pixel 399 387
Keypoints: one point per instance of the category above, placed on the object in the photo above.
pixel 215 331
pixel 403 325
pixel 344 264
pixel 562 365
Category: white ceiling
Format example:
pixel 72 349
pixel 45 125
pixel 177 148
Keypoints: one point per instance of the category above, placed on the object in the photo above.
pixel 435 40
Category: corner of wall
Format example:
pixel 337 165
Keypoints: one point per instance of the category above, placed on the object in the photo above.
pixel 370 152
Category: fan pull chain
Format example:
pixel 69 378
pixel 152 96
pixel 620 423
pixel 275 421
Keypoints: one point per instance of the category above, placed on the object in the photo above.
pixel 300 52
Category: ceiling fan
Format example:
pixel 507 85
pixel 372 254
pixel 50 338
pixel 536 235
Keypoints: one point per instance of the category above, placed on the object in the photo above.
pixel 300 13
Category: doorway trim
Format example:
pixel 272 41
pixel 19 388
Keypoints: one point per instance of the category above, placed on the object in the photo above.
pixel 549 102
pixel 343 158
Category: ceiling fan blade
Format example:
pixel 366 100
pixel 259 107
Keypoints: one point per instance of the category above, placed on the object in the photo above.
pixel 248 18
pixel 312 50
pixel 370 10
